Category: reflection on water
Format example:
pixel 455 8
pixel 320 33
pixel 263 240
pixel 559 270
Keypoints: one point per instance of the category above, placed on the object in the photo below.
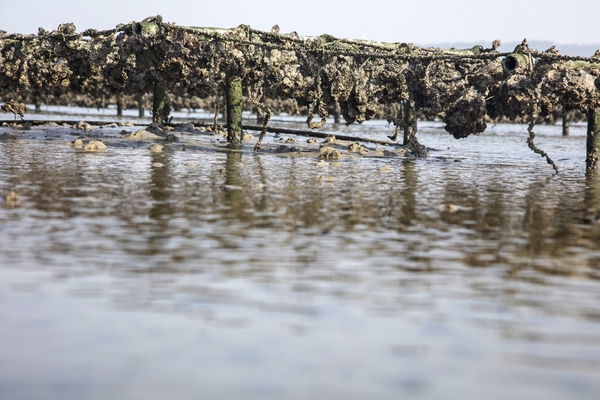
pixel 472 274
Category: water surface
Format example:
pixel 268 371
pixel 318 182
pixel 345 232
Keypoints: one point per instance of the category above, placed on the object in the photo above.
pixel 472 274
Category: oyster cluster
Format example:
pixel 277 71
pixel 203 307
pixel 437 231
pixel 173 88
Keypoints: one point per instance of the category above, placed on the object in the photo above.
pixel 462 88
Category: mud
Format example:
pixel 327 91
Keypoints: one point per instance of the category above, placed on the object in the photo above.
pixel 95 145
pixel 11 199
pixel 143 134
pixel 200 140
pixel 156 148
pixel 329 153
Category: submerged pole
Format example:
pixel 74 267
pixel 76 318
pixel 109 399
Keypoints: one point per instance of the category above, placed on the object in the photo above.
pixel 234 99
pixel 37 97
pixel 160 109
pixel 566 121
pixel 337 113
pixel 410 120
pixel 593 140
pixel 140 103
pixel 119 105
pixel 565 125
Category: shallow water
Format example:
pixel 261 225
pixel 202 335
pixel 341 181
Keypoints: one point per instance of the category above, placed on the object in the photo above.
pixel 223 275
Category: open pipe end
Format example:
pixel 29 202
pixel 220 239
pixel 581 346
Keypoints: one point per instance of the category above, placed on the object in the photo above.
pixel 147 27
pixel 517 63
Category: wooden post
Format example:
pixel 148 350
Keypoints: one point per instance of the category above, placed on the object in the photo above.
pixel 410 120
pixel 593 140
pixel 160 108
pixel 234 98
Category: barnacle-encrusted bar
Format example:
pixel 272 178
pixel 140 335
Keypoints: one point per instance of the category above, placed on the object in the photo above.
pixel 460 87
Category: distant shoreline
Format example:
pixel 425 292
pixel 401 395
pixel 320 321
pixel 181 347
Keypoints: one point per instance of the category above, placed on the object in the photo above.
pixel 585 50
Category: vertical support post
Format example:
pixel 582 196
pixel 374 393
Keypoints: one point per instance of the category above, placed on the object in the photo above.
pixel 566 120
pixel 38 100
pixel 593 140
pixel 119 105
pixel 565 125
pixel 410 120
pixel 160 107
pixel 140 102
pixel 234 99
pixel 337 113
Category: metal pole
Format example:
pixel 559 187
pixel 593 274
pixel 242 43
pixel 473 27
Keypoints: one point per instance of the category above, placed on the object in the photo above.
pixel 159 100
pixel 410 121
pixel 234 98
pixel 119 105
pixel 140 102
pixel 593 140
pixel 566 120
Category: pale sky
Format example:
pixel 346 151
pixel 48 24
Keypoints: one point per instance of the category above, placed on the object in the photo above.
pixel 419 21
